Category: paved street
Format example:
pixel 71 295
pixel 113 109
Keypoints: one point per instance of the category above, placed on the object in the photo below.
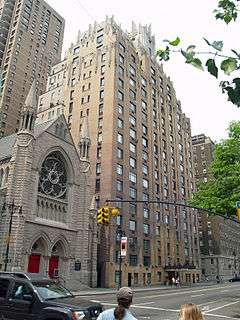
pixel 217 302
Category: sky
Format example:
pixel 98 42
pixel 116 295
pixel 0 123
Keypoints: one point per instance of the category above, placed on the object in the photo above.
pixel 191 20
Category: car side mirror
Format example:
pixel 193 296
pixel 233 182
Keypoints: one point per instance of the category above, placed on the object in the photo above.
pixel 28 297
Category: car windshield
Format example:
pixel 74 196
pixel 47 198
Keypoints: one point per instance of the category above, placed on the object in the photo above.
pixel 51 290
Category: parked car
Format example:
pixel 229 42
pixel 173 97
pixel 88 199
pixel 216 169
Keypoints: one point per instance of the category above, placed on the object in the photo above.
pixel 25 296
pixel 234 279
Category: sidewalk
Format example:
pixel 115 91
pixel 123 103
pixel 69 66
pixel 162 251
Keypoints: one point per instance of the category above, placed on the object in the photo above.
pixel 100 291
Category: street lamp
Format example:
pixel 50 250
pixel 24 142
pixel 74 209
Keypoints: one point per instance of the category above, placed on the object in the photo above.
pixel 120 234
pixel 12 208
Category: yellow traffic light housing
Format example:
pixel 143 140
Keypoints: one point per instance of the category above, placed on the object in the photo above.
pixel 106 215
pixel 238 214
pixel 115 212
pixel 100 216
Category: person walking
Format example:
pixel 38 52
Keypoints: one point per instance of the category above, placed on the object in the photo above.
pixel 173 281
pixel 121 312
pixel 178 282
pixel 190 311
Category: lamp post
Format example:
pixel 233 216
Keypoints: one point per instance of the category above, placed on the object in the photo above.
pixel 120 234
pixel 12 208
pixel 235 263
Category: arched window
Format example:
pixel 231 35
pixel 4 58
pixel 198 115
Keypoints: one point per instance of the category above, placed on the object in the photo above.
pixel 53 176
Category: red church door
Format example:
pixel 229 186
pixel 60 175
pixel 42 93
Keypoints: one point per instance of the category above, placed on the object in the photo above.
pixel 53 265
pixel 34 263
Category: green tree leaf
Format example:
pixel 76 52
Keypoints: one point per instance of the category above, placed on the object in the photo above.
pixel 218 45
pixel 211 66
pixel 175 42
pixel 229 65
pixel 197 63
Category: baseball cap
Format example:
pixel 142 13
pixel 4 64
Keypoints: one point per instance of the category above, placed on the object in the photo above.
pixel 125 293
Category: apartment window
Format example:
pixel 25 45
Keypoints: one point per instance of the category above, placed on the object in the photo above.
pixel 100 39
pixel 145 169
pixel 153 72
pixel 100 109
pixel 119 153
pixel 144 155
pixel 99 138
pixel 132 95
pixel 121 59
pixel 132 70
pixel 132 208
pixel 146 228
pixel 144 129
pixel 120 123
pixel 145 183
pixel 144 142
pixel 121 47
pixel 98 168
pixel 100 123
pixel 146 213
pixel 97 185
pixel 120 96
pixel 102 82
pixel 132 225
pixel 144 105
pixel 145 196
pixel 119 185
pixel 133 261
pixel 132 82
pixel 120 109
pixel 144 93
pixel 120 138
pixel 132 162
pixel 120 83
pixel 143 82
pixel 133 177
pixel 121 71
pixel 99 152
pixel 70 107
pixel 103 57
pixel 132 107
pixel 101 94
pixel 132 147
pixel 71 94
pixel 132 193
pixel 132 120
pixel 133 133
pixel 102 69
pixel 119 169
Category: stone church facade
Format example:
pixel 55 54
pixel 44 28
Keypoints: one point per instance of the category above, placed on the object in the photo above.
pixel 42 171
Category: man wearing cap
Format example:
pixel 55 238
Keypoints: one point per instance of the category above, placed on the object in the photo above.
pixel 121 312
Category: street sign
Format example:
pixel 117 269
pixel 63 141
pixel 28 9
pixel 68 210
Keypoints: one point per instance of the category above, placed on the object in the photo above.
pixel 238 204
pixel 123 246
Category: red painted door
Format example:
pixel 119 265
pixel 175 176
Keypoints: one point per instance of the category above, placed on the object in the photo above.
pixel 34 263
pixel 53 264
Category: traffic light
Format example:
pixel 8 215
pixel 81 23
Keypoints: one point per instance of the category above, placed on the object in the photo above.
pixel 115 212
pixel 106 215
pixel 99 217
pixel 238 214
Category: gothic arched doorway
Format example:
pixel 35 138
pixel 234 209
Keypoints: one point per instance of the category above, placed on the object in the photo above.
pixel 55 260
pixel 35 260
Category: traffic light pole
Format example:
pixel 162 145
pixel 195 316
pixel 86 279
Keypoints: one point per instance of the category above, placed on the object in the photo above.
pixel 12 207
pixel 120 233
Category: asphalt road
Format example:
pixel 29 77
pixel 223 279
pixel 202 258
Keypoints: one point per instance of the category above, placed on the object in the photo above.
pixel 218 302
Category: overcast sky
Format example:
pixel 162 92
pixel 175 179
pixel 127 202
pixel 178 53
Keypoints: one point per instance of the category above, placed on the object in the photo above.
pixel 191 20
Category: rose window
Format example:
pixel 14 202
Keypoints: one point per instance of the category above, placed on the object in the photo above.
pixel 53 176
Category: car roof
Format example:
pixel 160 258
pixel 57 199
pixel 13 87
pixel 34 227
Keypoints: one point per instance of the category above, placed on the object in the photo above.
pixel 26 275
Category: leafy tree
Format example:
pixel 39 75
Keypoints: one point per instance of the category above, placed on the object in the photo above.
pixel 222 190
pixel 216 60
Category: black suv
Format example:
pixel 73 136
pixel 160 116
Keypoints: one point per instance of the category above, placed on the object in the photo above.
pixel 25 296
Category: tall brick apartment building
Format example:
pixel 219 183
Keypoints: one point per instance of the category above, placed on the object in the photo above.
pixel 31 35
pixel 140 149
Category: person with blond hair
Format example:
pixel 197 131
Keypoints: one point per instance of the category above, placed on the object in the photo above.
pixel 190 311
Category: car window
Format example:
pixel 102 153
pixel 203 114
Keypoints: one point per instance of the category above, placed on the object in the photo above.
pixel 19 290
pixel 4 283
pixel 51 290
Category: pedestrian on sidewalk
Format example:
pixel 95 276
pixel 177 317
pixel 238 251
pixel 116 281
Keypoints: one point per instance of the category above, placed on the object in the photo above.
pixel 190 311
pixel 121 312
pixel 178 282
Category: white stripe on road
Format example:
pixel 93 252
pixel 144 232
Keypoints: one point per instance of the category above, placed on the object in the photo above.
pixel 224 291
pixel 182 292
pixel 141 307
pixel 207 303
pixel 219 316
pixel 198 295
pixel 223 306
